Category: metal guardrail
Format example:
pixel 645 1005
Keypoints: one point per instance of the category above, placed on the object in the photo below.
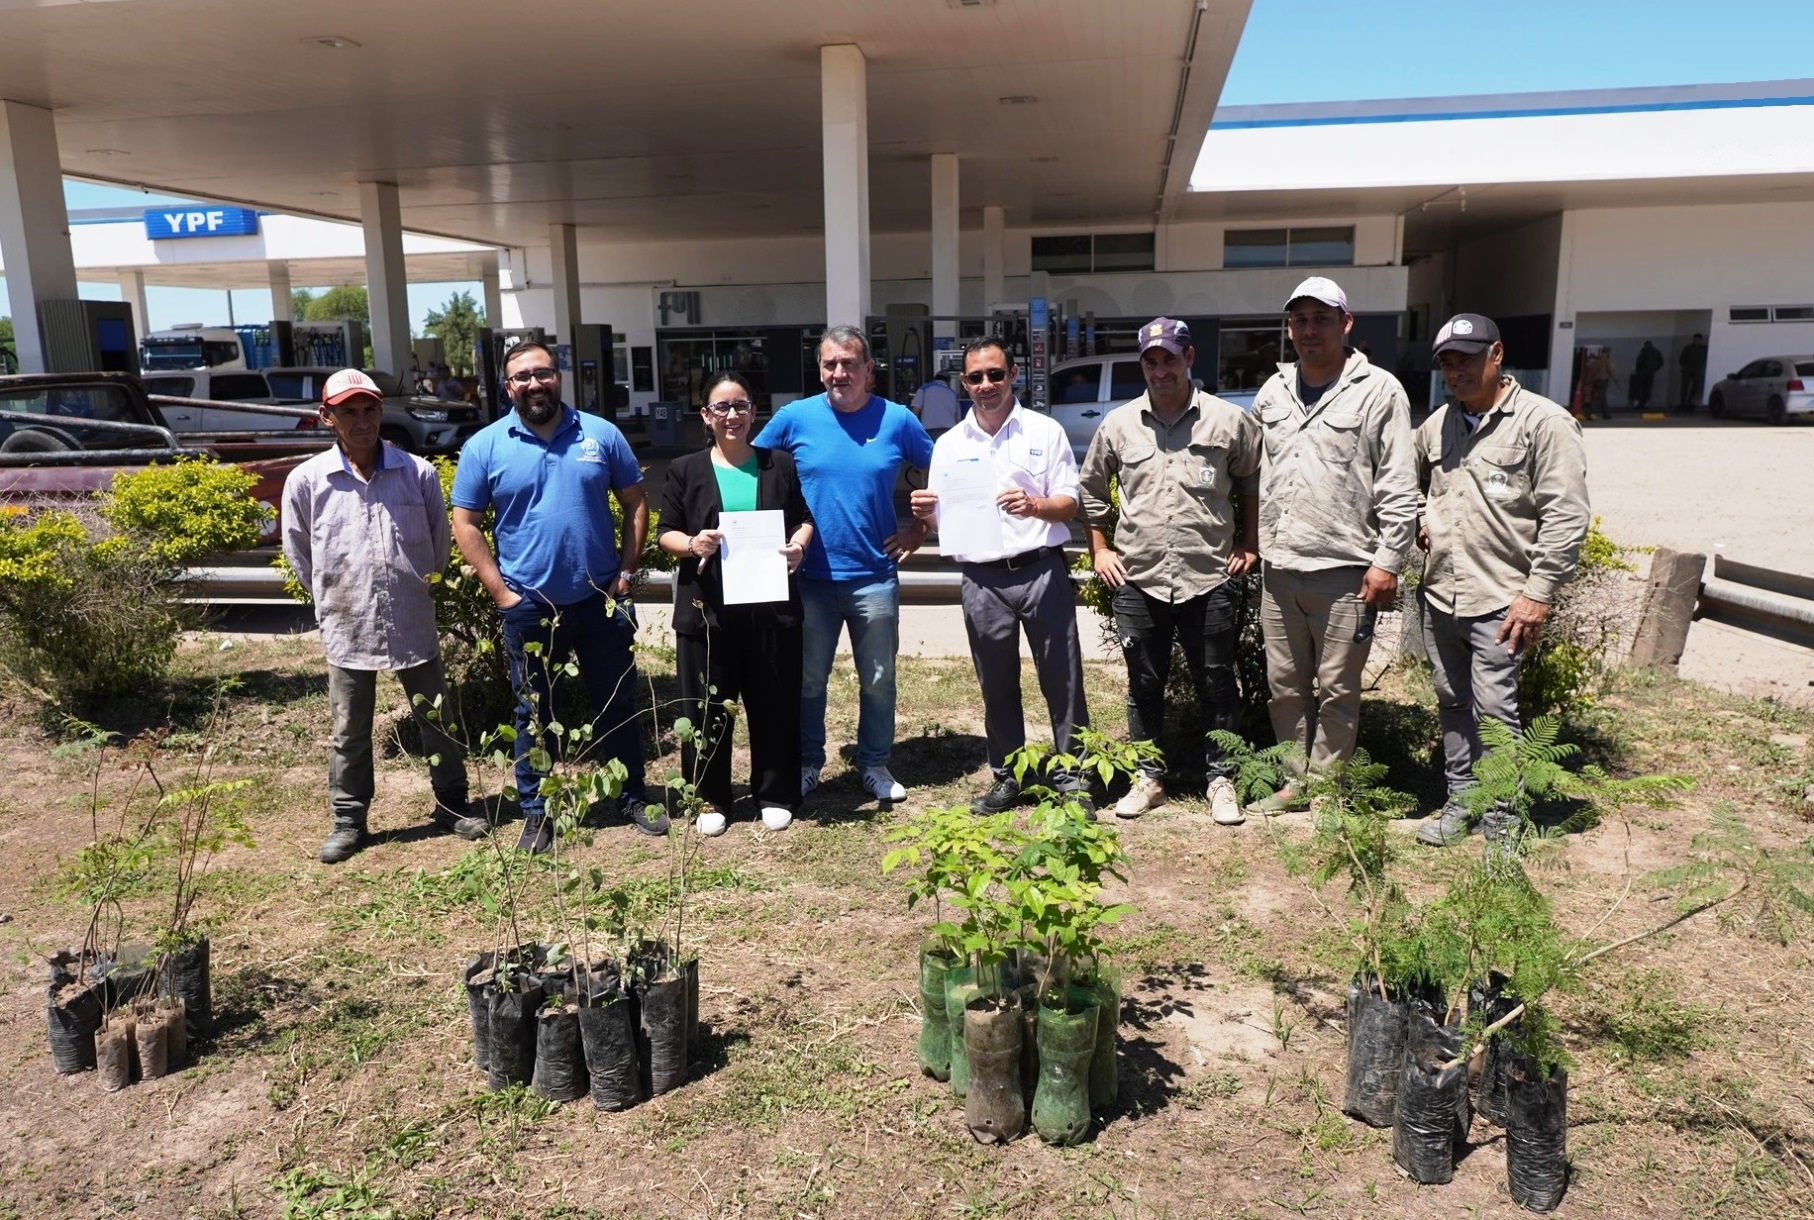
pixel 257 408
pixel 1776 604
pixel 166 440
pixel 925 581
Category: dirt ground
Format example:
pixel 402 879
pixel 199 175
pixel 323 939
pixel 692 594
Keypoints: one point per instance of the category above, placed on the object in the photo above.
pixel 341 1081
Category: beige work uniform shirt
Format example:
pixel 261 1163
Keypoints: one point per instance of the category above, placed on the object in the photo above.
pixel 1339 485
pixel 1505 506
pixel 1176 529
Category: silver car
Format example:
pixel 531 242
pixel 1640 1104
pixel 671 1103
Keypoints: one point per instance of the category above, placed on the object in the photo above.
pixel 412 422
pixel 1775 387
pixel 1083 391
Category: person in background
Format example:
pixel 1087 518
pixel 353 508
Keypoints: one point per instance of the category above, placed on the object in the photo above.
pixel 725 653
pixel 1338 513
pixel 1024 582
pixel 937 406
pixel 1693 363
pixel 1177 454
pixel 561 577
pixel 1504 476
pixel 1644 371
pixel 364 528
pixel 849 446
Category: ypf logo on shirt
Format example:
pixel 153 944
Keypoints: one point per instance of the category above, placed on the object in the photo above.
pixel 591 451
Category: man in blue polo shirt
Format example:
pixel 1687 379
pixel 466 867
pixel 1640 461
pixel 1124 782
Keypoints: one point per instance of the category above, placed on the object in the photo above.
pixel 848 446
pixel 560 578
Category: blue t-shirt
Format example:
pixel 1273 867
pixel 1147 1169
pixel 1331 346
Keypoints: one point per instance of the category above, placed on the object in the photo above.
pixel 556 536
pixel 848 464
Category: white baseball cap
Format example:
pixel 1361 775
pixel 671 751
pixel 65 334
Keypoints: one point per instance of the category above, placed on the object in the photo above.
pixel 346 384
pixel 1319 288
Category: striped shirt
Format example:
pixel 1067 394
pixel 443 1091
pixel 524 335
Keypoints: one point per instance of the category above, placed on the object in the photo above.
pixel 365 551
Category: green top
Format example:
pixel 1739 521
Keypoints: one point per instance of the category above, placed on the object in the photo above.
pixel 737 486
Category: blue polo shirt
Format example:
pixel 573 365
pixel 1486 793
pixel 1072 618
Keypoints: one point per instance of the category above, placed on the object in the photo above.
pixel 556 535
pixel 848 464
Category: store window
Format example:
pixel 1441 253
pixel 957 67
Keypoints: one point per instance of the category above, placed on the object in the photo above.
pixel 1078 254
pixel 1249 352
pixel 1319 246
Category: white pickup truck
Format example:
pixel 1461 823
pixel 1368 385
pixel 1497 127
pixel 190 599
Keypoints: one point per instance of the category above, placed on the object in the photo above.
pixel 1082 392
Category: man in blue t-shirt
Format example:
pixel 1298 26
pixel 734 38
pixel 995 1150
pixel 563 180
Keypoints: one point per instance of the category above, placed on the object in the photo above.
pixel 560 577
pixel 849 446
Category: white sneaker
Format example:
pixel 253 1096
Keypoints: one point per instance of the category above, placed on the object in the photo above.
pixel 1147 793
pixel 711 823
pixel 775 817
pixel 809 779
pixel 882 785
pixel 1224 805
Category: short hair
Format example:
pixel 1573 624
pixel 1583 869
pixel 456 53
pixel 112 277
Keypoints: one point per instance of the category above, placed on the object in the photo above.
pixel 846 336
pixel 527 345
pixel 985 342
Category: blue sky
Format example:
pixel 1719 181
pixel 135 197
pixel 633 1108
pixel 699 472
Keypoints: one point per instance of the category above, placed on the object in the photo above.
pixel 1322 51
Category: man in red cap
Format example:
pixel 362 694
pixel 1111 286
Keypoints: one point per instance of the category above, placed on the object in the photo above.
pixel 365 527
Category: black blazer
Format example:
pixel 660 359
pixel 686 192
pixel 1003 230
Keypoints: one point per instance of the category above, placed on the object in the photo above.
pixel 690 503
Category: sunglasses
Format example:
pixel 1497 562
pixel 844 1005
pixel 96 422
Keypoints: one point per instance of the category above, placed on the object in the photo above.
pixel 738 405
pixel 995 376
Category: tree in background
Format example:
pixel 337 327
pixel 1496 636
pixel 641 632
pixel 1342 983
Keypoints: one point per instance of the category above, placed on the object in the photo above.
pixel 334 305
pixel 9 348
pixel 457 325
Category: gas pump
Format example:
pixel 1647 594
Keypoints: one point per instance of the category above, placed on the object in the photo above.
pixel 593 381
pixel 338 345
pixel 488 362
pixel 88 336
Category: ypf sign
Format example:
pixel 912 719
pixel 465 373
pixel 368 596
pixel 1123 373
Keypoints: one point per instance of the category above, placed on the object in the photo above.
pixel 162 224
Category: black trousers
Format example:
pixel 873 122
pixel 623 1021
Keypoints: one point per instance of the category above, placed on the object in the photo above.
pixel 750 660
pixel 1206 628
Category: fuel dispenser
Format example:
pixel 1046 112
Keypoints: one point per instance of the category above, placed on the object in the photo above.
pixel 488 362
pixel 88 336
pixel 338 345
pixel 592 383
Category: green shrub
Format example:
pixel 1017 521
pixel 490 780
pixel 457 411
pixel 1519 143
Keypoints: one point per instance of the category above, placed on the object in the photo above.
pixel 1564 672
pixel 93 611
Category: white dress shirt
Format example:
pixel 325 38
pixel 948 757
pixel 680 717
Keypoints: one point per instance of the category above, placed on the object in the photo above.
pixel 1030 451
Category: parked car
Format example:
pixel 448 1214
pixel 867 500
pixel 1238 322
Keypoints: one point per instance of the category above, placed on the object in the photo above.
pixel 221 386
pixel 65 435
pixel 414 422
pixel 1082 392
pixel 1775 387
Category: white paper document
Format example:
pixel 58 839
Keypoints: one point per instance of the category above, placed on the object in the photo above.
pixel 755 570
pixel 969 520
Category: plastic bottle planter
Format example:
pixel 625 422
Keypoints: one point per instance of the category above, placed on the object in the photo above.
pixel 960 987
pixel 1536 1135
pixel 935 1025
pixel 664 1031
pixel 1105 1081
pixel 1487 1004
pixel 1067 1046
pixel 1432 1117
pixel 994 1107
pixel 186 977
pixel 73 1012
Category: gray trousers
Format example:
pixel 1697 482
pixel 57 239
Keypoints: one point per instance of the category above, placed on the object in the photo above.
pixel 352 697
pixel 997 605
pixel 1314 659
pixel 1475 677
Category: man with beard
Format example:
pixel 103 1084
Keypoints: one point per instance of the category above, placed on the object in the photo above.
pixel 1022 581
pixel 1338 509
pixel 364 528
pixel 562 573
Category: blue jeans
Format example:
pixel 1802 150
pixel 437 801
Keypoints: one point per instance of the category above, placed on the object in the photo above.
pixel 871 608
pixel 599 642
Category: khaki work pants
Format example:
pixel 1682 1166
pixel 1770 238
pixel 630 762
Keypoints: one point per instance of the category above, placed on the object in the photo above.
pixel 1313 658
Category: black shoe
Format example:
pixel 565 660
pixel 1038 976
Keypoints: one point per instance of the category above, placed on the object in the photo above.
pixel 1004 795
pixel 343 841
pixel 650 819
pixel 537 836
pixel 1083 799
pixel 456 817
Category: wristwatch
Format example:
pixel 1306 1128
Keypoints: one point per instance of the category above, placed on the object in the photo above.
pixel 628 575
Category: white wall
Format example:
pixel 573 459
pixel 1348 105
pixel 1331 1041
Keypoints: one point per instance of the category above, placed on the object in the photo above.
pixel 1711 257
pixel 1197 245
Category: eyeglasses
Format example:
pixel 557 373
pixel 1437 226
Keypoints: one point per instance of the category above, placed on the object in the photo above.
pixel 738 405
pixel 525 376
pixel 981 375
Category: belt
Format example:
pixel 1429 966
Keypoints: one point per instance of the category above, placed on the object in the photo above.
pixel 1026 559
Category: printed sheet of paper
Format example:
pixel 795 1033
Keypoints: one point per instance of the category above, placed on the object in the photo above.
pixel 755 570
pixel 969 521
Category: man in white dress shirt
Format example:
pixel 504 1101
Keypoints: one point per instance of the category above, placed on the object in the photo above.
pixel 1019 580
pixel 365 527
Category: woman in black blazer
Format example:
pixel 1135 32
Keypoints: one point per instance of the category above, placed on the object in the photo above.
pixel 750 652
